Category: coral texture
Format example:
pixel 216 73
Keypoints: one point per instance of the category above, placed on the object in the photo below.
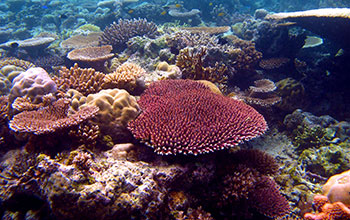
pixel 83 80
pixel 184 116
pixel 81 41
pixel 208 30
pixel 51 118
pixel 117 34
pixel 34 84
pixel 124 77
pixel 91 54
pixel 327 210
pixel 337 188
pixel 116 106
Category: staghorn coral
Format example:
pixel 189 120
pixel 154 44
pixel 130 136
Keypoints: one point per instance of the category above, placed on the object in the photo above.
pixel 83 80
pixel 50 119
pixel 327 210
pixel 192 67
pixel 116 106
pixel 92 56
pixel 33 84
pixel 86 133
pixel 117 34
pixel 183 116
pixel 124 77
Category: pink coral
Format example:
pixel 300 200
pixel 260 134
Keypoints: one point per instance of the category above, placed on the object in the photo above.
pixel 184 116
pixel 327 210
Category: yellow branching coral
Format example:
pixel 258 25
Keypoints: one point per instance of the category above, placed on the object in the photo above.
pixel 124 77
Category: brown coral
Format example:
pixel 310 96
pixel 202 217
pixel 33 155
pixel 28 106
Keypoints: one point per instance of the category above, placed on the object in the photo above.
pixel 3 108
pixel 192 67
pixel 92 56
pixel 84 80
pixel 51 118
pixel 208 30
pixel 16 62
pixel 273 63
pixel 81 41
pixel 124 77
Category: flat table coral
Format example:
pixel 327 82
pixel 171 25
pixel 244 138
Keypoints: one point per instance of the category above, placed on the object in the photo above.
pixel 50 119
pixel 184 116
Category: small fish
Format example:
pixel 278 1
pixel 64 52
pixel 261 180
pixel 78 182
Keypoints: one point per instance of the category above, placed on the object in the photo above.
pixel 221 14
pixel 210 4
pixel 178 5
pixel 44 7
pixel 130 11
pixel 163 13
pixel 63 16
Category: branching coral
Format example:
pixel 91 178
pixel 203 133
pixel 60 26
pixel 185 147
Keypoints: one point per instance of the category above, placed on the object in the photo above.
pixel 183 116
pixel 192 67
pixel 124 77
pixel 51 118
pixel 84 80
pixel 117 34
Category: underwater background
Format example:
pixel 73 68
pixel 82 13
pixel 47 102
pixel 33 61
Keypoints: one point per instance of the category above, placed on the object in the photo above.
pixel 162 109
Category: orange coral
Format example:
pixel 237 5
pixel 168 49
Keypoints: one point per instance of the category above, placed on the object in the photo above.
pixel 50 119
pixel 85 81
pixel 124 77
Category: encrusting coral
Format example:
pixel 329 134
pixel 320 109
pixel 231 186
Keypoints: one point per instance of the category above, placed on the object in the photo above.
pixel 50 119
pixel 186 117
pixel 83 80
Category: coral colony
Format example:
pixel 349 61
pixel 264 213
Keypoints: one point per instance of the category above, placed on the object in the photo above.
pixel 174 110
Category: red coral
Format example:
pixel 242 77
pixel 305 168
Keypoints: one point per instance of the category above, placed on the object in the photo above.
pixel 184 116
pixel 327 210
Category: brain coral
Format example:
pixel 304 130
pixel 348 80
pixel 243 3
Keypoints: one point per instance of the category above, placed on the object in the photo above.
pixel 116 106
pixel 184 116
pixel 34 84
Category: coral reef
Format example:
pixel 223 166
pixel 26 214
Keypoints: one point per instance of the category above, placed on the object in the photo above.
pixel 126 76
pixel 34 84
pixel 117 34
pixel 92 56
pixel 83 80
pixel 116 107
pixel 81 41
pixel 50 119
pixel 176 115
pixel 208 30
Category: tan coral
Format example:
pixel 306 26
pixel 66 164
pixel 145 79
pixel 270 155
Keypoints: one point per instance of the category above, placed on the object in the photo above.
pixel 116 106
pixel 92 56
pixel 16 62
pixel 208 30
pixel 84 80
pixel 124 77
pixel 81 41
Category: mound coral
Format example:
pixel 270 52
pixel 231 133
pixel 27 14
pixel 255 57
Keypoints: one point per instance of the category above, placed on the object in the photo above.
pixel 184 116
pixel 337 188
pixel 33 84
pixel 83 80
pixel 117 34
pixel 124 77
pixel 51 118
pixel 116 106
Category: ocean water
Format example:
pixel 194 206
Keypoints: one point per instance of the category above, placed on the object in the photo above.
pixel 165 109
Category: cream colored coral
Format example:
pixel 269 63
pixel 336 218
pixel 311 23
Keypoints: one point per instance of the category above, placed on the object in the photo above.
pixel 124 77
pixel 116 106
